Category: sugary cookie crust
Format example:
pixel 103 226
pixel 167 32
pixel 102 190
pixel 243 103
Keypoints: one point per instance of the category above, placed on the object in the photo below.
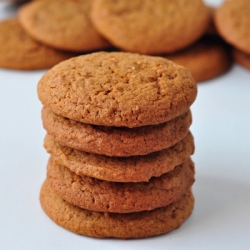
pixel 105 225
pixel 118 89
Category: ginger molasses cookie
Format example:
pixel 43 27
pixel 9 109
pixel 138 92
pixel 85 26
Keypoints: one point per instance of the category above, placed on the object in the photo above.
pixel 19 51
pixel 118 89
pixel 241 58
pixel 232 20
pixel 104 196
pixel 151 27
pixel 121 169
pixel 65 26
pixel 116 141
pixel 205 59
pixel 104 225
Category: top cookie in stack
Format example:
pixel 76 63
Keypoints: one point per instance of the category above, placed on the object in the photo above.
pixel 118 89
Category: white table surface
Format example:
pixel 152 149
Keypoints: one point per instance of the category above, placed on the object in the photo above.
pixel 221 128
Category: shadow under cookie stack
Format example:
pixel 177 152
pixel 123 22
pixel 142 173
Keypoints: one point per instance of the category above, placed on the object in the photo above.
pixel 119 143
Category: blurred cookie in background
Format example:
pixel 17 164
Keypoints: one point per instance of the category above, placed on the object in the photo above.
pixel 206 59
pixel 151 27
pixel 64 26
pixel 19 51
pixel 232 20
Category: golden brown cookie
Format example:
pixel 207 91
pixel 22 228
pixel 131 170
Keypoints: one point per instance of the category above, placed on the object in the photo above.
pixel 104 225
pixel 150 27
pixel 205 59
pixel 64 26
pixel 241 58
pixel 232 20
pixel 118 89
pixel 19 51
pixel 104 196
pixel 121 169
pixel 116 141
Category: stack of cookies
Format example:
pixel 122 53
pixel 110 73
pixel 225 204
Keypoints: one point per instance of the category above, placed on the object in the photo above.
pixel 119 142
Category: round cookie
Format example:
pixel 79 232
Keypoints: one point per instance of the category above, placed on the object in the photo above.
pixel 104 196
pixel 64 26
pixel 125 169
pixel 118 89
pixel 105 225
pixel 150 27
pixel 232 20
pixel 241 58
pixel 205 59
pixel 19 51
pixel 116 141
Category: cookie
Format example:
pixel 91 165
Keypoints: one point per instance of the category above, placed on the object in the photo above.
pixel 104 196
pixel 118 89
pixel 150 27
pixel 121 169
pixel 116 141
pixel 241 58
pixel 19 51
pixel 106 225
pixel 232 20
pixel 205 59
pixel 64 26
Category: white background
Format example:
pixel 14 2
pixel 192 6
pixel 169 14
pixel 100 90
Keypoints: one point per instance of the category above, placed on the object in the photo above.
pixel 221 128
